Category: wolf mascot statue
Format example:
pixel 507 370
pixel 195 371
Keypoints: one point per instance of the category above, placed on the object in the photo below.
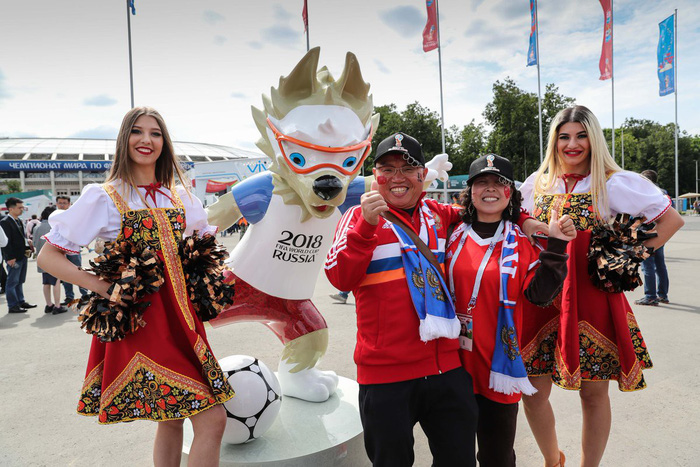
pixel 318 132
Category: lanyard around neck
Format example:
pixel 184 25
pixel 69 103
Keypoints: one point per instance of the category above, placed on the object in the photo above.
pixel 482 266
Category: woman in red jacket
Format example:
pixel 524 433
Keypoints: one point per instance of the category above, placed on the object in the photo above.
pixel 492 269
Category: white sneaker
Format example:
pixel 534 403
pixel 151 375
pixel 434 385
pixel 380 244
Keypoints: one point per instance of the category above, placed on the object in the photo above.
pixel 339 298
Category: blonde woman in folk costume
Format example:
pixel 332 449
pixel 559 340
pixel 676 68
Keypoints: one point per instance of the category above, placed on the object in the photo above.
pixel 588 337
pixel 165 371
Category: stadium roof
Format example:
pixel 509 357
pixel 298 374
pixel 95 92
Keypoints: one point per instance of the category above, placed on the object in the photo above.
pixel 103 149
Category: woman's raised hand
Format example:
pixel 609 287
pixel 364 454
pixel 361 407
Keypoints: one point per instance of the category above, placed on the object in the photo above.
pixel 562 227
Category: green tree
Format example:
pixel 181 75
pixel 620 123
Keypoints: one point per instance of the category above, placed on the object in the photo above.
pixel 513 117
pixel 470 144
pixel 11 186
pixel 417 121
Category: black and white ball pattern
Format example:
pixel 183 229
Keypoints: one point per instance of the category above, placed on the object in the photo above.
pixel 258 399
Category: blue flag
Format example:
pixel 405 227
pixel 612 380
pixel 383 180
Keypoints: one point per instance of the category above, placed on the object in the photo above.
pixel 133 8
pixel 666 58
pixel 532 51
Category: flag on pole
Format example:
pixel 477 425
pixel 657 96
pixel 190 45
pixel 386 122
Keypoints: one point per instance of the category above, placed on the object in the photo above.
pixel 305 17
pixel 133 8
pixel 532 52
pixel 430 33
pixel 605 64
pixel 665 56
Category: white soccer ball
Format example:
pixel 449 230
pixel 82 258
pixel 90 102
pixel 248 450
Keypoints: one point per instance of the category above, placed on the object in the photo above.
pixel 251 412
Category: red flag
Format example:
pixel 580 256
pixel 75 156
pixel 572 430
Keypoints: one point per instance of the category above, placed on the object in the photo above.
pixel 430 33
pixel 305 17
pixel 606 56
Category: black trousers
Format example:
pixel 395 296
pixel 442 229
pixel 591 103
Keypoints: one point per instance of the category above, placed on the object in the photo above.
pixel 443 404
pixel 495 433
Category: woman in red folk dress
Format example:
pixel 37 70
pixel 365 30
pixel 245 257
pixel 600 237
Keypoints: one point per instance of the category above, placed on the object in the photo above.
pixel 164 371
pixel 589 336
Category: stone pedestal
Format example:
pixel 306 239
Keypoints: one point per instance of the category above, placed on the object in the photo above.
pixel 305 434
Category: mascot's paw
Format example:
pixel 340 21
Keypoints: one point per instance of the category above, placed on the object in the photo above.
pixel 438 167
pixel 310 384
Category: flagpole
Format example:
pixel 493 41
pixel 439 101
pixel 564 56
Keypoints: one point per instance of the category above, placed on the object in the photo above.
pixel 539 89
pixel 675 92
pixel 442 107
pixel 306 4
pixel 612 71
pixel 622 143
pixel 131 67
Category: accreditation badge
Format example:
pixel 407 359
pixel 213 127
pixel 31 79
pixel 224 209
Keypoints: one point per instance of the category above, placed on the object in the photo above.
pixel 466 334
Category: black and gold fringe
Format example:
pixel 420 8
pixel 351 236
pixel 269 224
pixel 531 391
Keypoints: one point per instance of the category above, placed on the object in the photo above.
pixel 203 265
pixel 616 251
pixel 133 275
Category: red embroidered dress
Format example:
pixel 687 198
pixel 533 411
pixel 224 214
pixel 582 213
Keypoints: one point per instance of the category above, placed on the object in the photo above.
pixel 588 334
pixel 166 370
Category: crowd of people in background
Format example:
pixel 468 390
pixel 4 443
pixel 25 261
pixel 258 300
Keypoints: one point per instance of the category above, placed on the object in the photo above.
pixel 21 241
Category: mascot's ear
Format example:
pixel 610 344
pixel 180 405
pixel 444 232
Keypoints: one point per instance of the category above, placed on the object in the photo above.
pixel 301 82
pixel 350 83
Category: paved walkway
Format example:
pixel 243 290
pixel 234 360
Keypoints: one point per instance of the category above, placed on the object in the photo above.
pixel 43 358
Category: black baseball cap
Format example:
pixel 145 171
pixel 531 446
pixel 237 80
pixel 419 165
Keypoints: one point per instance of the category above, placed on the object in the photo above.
pixel 401 143
pixel 491 164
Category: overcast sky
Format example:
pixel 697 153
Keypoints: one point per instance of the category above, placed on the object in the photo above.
pixel 64 65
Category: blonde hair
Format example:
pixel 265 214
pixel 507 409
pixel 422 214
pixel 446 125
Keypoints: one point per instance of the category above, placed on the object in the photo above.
pixel 602 163
pixel 167 165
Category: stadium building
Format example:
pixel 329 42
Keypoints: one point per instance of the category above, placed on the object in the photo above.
pixel 64 166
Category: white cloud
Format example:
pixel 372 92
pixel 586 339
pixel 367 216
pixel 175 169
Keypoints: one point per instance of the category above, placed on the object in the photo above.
pixel 100 132
pixel 103 100
pixel 212 17
pixel 405 20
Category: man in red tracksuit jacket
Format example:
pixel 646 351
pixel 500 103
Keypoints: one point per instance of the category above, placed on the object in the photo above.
pixel 403 380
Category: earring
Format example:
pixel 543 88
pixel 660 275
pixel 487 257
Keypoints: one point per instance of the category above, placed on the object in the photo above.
pixel 510 208
pixel 470 209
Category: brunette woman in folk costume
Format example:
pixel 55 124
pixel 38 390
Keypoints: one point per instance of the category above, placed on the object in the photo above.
pixel 164 371
pixel 589 336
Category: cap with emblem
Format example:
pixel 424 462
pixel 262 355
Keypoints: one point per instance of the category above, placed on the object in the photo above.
pixel 401 143
pixel 491 164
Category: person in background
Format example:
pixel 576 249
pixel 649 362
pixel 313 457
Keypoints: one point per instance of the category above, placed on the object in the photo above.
pixel 3 274
pixel 656 281
pixel 15 254
pixel 51 285
pixel 63 203
pixel 340 297
pixel 588 337
pixel 31 225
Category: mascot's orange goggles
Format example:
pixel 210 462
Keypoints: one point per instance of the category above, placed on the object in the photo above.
pixel 294 162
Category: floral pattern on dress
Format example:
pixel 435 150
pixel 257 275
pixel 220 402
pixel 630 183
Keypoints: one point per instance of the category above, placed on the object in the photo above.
pixel 139 227
pixel 579 206
pixel 539 354
pixel 599 360
pixel 150 391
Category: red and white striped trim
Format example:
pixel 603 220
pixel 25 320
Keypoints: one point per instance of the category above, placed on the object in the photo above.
pixel 662 212
pixel 60 247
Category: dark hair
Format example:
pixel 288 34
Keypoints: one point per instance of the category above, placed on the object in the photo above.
pixel 651 175
pixel 67 198
pixel 33 216
pixel 47 212
pixel 465 199
pixel 11 202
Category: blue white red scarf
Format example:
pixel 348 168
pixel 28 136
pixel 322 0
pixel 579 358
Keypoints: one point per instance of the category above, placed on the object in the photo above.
pixel 508 374
pixel 429 293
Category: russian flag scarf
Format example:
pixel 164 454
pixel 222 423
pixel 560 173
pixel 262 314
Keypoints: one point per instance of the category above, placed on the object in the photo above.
pixel 429 293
